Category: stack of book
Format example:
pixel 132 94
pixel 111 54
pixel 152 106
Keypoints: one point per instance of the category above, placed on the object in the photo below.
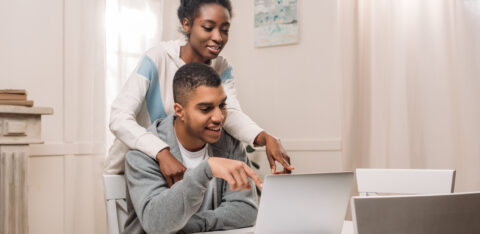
pixel 14 97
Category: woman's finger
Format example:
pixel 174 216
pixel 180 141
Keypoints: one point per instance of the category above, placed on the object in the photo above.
pixel 169 181
pixel 286 165
pixel 284 160
pixel 271 161
pixel 177 177
pixel 287 159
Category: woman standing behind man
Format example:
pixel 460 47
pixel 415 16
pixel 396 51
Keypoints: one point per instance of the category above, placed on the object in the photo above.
pixel 148 95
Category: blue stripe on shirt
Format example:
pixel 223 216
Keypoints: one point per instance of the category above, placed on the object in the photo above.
pixel 154 100
pixel 227 74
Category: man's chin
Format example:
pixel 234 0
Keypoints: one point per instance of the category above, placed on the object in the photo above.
pixel 211 140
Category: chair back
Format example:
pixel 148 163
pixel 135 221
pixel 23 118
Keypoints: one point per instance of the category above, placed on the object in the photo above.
pixel 404 181
pixel 115 198
pixel 417 214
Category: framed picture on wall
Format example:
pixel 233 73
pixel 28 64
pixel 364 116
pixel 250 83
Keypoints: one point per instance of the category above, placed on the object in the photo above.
pixel 275 22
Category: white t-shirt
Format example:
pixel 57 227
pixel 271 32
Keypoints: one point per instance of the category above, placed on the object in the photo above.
pixel 192 160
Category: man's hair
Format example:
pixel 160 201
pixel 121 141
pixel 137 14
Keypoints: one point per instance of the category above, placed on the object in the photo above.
pixel 189 77
pixel 189 9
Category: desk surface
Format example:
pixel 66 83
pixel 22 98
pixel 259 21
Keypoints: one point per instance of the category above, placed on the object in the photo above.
pixel 347 229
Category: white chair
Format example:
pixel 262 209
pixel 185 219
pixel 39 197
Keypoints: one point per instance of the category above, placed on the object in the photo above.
pixel 115 198
pixel 404 181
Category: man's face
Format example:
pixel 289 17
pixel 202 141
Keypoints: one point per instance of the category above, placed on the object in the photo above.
pixel 205 113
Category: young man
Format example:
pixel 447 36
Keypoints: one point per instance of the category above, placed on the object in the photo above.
pixel 215 192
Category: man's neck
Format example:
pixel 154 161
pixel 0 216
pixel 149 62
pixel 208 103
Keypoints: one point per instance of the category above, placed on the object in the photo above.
pixel 188 142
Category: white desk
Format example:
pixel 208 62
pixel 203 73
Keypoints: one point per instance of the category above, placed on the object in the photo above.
pixel 347 229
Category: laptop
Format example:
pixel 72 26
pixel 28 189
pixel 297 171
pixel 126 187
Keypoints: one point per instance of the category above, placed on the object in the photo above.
pixel 304 203
pixel 457 213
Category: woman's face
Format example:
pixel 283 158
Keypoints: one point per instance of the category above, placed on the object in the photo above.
pixel 209 33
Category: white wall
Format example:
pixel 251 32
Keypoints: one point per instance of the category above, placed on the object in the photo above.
pixel 292 91
pixel 39 46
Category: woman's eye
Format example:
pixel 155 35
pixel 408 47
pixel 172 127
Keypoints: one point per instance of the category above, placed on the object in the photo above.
pixel 208 29
pixel 223 106
pixel 225 30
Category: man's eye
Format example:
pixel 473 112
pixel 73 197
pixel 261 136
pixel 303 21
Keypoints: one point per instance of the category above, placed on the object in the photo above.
pixel 205 109
pixel 223 106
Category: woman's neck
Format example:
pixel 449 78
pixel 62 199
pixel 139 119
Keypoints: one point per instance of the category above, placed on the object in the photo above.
pixel 188 55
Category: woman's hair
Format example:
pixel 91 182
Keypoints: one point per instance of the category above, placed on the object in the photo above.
pixel 189 8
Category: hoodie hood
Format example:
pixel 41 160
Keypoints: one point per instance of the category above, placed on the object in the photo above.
pixel 164 129
pixel 173 50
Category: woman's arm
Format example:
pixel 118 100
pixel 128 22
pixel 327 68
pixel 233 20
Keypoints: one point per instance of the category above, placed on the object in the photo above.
pixel 123 122
pixel 124 125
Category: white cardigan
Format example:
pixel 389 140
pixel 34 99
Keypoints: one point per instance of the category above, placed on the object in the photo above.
pixel 148 95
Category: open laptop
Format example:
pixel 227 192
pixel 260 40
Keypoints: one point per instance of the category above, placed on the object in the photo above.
pixel 304 203
pixel 457 213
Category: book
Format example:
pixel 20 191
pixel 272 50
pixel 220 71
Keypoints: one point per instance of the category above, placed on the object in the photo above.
pixel 28 103
pixel 13 91
pixel 13 96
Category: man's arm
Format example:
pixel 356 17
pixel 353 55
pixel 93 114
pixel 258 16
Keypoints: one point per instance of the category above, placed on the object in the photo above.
pixel 238 209
pixel 161 209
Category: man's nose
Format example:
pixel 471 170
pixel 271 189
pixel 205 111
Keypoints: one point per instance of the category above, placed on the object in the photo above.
pixel 218 116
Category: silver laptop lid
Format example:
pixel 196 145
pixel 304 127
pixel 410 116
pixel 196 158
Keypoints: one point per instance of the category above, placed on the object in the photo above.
pixel 417 214
pixel 304 203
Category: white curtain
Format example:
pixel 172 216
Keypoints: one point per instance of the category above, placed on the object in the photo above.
pixel 411 84
pixel 103 42
pixel 132 27
pixel 84 88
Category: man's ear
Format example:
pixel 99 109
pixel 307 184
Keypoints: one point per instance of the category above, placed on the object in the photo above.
pixel 186 25
pixel 179 110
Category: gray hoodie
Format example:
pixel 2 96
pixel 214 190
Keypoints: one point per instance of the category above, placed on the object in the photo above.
pixel 155 208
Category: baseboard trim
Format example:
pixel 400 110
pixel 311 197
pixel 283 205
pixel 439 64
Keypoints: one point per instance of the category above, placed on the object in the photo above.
pixel 57 149
pixel 309 145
